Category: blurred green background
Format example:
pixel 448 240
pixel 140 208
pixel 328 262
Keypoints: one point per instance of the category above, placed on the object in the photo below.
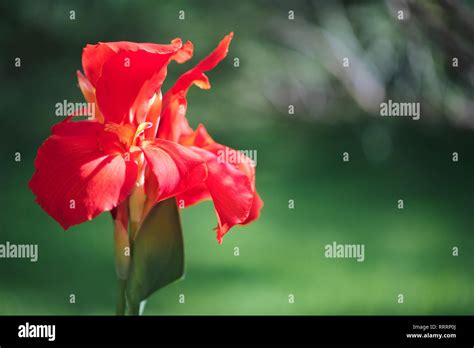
pixel 282 62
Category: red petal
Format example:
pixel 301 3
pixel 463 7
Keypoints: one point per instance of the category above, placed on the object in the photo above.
pixel 79 174
pixel 127 75
pixel 172 122
pixel 122 79
pixel 230 185
pixel 193 196
pixel 231 192
pixel 257 206
pixel 175 168
pixel 185 53
pixel 148 89
pixel 95 56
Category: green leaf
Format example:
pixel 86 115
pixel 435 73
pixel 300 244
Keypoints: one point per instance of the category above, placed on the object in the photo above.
pixel 157 254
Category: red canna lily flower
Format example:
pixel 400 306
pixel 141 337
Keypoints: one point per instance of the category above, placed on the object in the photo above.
pixel 139 142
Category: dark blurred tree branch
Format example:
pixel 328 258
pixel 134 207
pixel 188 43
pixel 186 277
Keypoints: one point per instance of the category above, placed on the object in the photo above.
pixel 389 58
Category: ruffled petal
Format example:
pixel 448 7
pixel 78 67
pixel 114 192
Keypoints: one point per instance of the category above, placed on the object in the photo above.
pixel 173 122
pixel 126 79
pixel 93 59
pixel 230 183
pixel 184 54
pixel 230 190
pixel 175 169
pixel 95 56
pixel 81 173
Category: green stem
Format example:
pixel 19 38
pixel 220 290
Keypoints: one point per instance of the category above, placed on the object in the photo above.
pixel 122 255
pixel 136 308
pixel 121 302
pixel 133 309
